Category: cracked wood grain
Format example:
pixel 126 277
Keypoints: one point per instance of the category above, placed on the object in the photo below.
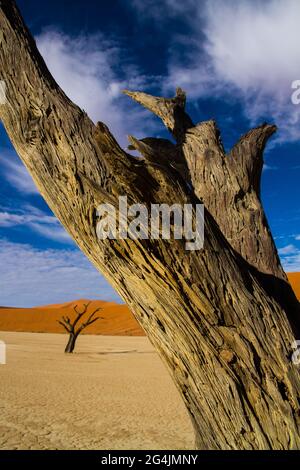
pixel 223 318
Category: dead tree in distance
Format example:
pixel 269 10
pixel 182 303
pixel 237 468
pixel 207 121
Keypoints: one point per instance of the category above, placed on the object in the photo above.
pixel 73 328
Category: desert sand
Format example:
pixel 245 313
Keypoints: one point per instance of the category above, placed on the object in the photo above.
pixel 116 319
pixel 113 393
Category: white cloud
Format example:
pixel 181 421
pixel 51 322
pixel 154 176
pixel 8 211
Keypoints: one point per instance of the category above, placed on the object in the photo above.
pixel 287 250
pixel 254 44
pixel 55 231
pixel 9 219
pixel 92 72
pixel 290 257
pixel 248 49
pixel 36 220
pixel 269 167
pixel 39 277
pixel 16 174
pixel 291 260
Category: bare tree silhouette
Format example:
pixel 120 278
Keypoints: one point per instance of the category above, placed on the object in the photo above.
pixel 70 325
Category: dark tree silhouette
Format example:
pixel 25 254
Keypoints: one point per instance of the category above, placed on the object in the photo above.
pixel 73 328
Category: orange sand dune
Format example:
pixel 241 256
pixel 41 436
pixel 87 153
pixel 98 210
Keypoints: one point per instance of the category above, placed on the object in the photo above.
pixel 294 279
pixel 116 319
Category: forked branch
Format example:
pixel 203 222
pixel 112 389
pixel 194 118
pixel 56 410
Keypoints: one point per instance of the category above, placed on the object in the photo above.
pixel 170 110
pixel 70 326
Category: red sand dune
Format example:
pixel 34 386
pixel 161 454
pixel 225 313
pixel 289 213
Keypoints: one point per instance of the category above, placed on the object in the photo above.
pixel 116 319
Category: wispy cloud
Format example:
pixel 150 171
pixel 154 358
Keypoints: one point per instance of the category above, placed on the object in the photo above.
pixel 41 277
pixel 290 258
pixel 287 250
pixel 37 221
pixel 92 71
pixel 269 167
pixel 16 174
pixel 53 231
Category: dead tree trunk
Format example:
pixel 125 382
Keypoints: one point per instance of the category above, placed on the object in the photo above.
pixel 74 328
pixel 71 343
pixel 221 318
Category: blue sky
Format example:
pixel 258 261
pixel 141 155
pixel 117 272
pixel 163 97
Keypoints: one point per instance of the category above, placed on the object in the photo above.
pixel 235 59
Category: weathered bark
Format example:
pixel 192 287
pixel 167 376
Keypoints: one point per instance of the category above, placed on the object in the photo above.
pixel 72 327
pixel 229 185
pixel 214 315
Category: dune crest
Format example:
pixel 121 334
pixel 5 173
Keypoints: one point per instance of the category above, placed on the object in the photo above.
pixel 117 319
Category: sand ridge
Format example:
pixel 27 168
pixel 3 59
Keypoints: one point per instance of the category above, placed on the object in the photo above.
pixel 116 319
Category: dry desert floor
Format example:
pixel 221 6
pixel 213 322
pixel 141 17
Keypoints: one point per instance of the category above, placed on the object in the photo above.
pixel 113 393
